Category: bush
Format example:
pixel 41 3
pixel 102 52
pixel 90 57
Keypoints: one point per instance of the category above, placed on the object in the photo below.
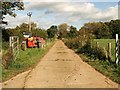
pixel 73 43
pixel 94 52
pixel 5 45
pixel 7 58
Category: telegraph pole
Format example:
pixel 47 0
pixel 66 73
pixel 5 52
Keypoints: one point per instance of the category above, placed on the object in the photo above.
pixel 29 15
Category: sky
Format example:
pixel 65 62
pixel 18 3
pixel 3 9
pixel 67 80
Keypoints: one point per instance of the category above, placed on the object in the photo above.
pixel 73 12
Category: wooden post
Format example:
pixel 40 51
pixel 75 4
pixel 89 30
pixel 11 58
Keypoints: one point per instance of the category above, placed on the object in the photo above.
pixel 105 51
pixel 117 49
pixel 81 43
pixel 91 44
pixel 97 45
pixel 10 42
pixel 109 52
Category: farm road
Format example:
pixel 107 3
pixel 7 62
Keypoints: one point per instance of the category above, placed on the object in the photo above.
pixel 61 68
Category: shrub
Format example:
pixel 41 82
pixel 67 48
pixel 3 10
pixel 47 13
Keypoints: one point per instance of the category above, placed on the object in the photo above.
pixel 73 43
pixel 94 52
pixel 7 58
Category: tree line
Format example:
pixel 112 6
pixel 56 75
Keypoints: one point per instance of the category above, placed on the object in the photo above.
pixel 94 30
pixel 90 30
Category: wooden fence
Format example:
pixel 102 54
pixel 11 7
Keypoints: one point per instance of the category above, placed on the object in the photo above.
pixel 108 50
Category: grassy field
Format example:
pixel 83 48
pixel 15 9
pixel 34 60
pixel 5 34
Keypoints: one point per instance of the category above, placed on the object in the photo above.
pixel 104 43
pixel 25 61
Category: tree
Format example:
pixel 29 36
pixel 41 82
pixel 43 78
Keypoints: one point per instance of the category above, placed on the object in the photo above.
pixel 103 32
pixel 9 8
pixel 22 27
pixel 52 31
pixel 96 30
pixel 40 32
pixel 73 32
pixel 33 26
pixel 114 26
pixel 63 30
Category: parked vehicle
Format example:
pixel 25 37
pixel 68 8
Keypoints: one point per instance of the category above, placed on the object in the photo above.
pixel 30 41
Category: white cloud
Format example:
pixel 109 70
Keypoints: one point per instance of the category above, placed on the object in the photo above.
pixel 71 0
pixel 77 10
pixel 13 22
pixel 64 12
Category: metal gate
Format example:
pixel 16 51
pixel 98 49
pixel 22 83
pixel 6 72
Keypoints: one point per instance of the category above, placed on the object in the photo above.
pixel 14 45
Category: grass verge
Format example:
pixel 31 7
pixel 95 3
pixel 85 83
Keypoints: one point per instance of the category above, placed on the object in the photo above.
pixel 110 70
pixel 25 60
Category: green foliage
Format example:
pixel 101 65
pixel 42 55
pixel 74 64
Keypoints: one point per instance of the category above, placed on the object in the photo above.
pixel 5 45
pixel 10 7
pixel 114 26
pixel 93 52
pixel 40 32
pixel 63 30
pixel 52 31
pixel 73 43
pixel 18 31
pixel 103 32
pixel 73 32
pixel 96 30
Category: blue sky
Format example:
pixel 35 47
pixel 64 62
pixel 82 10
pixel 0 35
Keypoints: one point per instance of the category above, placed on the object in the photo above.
pixel 76 13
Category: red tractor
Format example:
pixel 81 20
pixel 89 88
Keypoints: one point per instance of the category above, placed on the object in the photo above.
pixel 30 41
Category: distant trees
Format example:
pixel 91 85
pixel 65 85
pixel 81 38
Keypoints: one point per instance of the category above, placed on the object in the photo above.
pixel 73 32
pixel 114 26
pixel 96 30
pixel 18 31
pixel 63 30
pixel 52 31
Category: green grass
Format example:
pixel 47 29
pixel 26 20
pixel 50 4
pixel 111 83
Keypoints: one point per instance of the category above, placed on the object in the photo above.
pixel 104 43
pixel 25 61
pixel 110 70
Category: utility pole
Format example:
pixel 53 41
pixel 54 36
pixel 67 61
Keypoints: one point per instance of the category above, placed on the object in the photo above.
pixel 29 15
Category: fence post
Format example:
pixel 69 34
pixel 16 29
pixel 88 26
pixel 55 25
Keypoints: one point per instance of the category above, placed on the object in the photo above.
pixel 109 52
pixel 105 51
pixel 97 45
pixel 91 43
pixel 10 42
pixel 117 49
pixel 81 43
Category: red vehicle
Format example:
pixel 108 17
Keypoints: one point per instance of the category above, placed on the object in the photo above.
pixel 32 42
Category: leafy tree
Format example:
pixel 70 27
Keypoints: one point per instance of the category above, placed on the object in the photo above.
pixel 9 8
pixel 103 32
pixel 114 26
pixel 63 30
pixel 73 32
pixel 40 32
pixel 52 31
pixel 96 30
pixel 33 26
